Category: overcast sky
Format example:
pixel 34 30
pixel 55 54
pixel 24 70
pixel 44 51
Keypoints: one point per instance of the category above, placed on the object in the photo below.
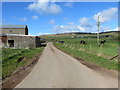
pixel 60 17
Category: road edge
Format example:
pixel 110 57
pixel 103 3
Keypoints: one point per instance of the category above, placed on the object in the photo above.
pixel 96 68
pixel 21 73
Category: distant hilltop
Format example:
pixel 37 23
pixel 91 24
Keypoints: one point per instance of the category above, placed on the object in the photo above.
pixel 78 33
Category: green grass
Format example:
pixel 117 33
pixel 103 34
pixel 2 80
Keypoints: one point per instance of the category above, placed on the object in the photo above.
pixel 107 51
pixel 100 61
pixel 10 57
pixel 110 49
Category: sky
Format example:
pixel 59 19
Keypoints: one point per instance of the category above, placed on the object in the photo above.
pixel 61 17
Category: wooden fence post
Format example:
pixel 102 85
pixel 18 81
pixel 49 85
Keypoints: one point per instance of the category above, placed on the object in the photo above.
pixel 83 47
pixel 90 48
pixel 78 45
pixel 100 51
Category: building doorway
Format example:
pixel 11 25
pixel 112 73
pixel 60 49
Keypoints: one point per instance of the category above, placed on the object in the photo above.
pixel 11 43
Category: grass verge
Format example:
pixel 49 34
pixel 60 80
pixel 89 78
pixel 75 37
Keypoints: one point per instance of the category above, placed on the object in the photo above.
pixel 98 60
pixel 10 59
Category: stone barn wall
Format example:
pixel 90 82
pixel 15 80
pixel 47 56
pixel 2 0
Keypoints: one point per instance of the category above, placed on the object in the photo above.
pixel 14 29
pixel 19 42
pixel 16 36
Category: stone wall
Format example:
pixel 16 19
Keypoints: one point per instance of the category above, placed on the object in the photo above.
pixel 23 41
pixel 14 31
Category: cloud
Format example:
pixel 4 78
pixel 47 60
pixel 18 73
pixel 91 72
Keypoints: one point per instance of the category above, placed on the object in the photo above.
pixel 78 28
pixel 115 29
pixel 23 19
pixel 106 15
pixel 35 17
pixel 44 33
pixel 52 21
pixel 91 27
pixel 44 6
pixel 67 28
pixel 84 22
pixel 68 4
pixel 105 29
pixel 81 28
pixel 37 34
pixel 86 25
pixel 71 23
pixel 65 18
pixel 32 34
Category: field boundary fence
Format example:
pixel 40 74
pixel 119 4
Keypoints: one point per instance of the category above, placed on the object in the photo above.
pixel 88 50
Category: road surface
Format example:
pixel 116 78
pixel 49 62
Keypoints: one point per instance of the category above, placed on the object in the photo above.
pixel 56 69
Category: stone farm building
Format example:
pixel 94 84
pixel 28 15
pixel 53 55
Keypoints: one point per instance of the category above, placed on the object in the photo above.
pixel 14 29
pixel 16 36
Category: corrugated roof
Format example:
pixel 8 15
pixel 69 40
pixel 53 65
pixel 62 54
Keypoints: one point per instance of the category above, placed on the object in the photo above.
pixel 13 26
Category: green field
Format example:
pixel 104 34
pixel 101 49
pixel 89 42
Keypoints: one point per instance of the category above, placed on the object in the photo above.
pixel 91 51
pixel 11 56
pixel 109 49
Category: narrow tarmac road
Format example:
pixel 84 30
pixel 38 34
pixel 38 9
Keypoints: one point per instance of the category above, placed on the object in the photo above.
pixel 56 69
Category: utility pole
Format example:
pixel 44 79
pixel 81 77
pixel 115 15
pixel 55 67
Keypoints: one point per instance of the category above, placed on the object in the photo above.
pixel 98 25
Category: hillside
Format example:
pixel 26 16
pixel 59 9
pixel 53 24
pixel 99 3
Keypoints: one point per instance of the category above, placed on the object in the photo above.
pixel 83 33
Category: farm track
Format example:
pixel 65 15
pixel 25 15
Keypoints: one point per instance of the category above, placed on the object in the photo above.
pixel 56 69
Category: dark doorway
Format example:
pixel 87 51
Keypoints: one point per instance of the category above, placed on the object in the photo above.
pixel 11 43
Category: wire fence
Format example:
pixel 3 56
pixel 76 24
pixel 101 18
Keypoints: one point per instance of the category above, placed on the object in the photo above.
pixel 89 49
